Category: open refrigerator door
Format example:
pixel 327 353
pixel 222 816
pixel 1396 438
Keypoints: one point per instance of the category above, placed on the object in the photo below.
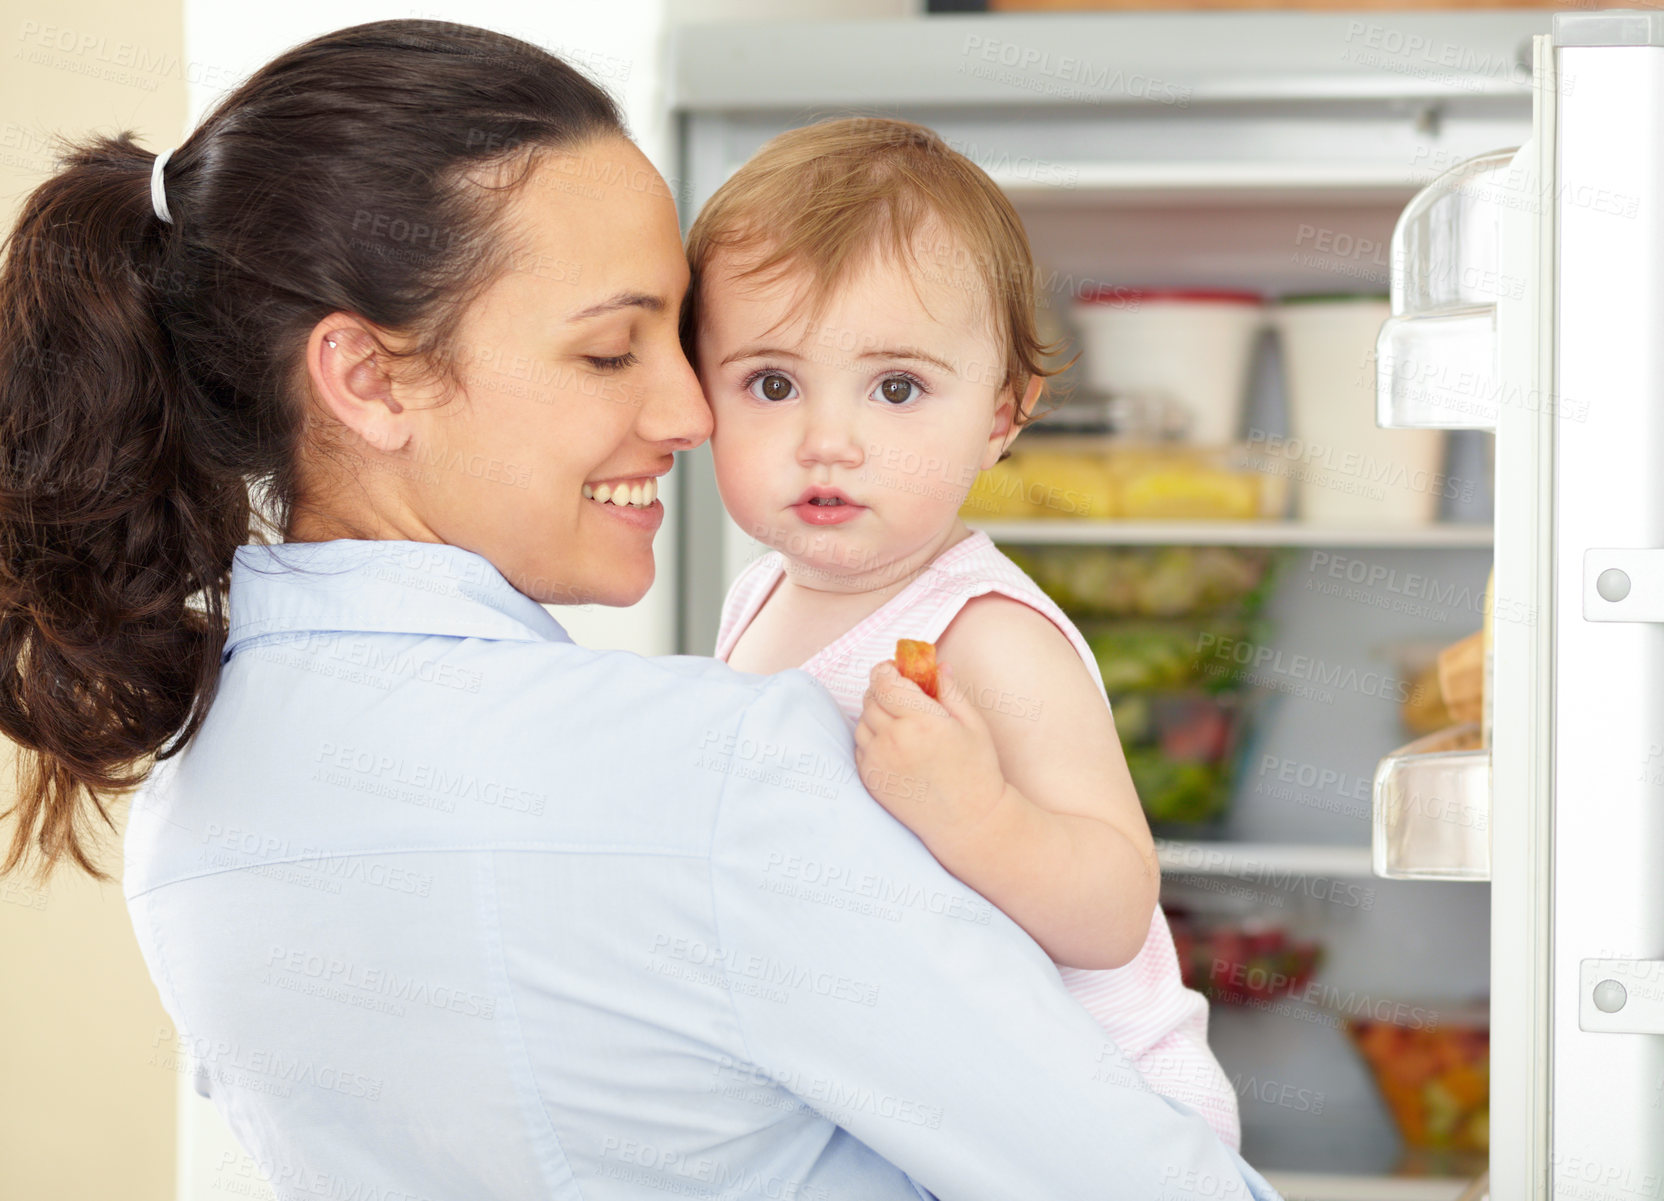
pixel 1528 299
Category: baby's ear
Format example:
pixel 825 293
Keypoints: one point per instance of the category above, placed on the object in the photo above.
pixel 1006 429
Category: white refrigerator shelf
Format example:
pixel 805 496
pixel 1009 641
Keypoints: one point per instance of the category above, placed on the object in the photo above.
pixel 1235 533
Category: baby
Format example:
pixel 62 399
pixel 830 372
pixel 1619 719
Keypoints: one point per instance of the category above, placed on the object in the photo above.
pixel 862 321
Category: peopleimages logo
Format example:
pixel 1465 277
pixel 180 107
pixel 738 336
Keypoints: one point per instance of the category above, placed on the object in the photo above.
pixel 1260 659
pixel 1063 76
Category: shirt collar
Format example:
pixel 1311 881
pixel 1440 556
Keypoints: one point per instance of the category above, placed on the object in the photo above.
pixel 383 585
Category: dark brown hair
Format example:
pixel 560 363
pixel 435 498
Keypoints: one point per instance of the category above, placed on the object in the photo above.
pixel 151 373
pixel 825 197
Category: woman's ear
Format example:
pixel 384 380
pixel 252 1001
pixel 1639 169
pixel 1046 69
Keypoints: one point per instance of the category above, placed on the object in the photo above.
pixel 1006 429
pixel 350 378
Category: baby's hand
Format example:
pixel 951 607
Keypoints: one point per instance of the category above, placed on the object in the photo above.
pixel 931 763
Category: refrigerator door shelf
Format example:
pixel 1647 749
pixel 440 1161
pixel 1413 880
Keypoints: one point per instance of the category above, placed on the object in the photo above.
pixel 1446 246
pixel 1436 371
pixel 1623 584
pixel 1621 996
pixel 1432 808
pixel 1436 358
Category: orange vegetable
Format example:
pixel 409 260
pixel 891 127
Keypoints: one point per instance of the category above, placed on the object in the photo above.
pixel 917 661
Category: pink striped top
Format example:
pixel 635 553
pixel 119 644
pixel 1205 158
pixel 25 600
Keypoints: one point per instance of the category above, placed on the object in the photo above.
pixel 1158 1023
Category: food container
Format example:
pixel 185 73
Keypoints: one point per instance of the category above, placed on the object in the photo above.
pixel 1238 961
pixel 1150 581
pixel 1137 656
pixel 1165 482
pixel 1186 350
pixel 1181 748
pixel 1096 478
pixel 1432 1063
pixel 1165 624
pixel 1347 468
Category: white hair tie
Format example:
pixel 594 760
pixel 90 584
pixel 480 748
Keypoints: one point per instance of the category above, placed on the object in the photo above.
pixel 159 200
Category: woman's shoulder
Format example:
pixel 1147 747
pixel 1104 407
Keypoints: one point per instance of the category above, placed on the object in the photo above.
pixel 510 745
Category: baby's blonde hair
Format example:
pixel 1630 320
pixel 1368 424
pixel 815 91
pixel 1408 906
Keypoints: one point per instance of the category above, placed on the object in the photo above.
pixel 824 197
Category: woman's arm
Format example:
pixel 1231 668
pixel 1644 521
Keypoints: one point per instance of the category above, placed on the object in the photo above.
pixel 919 1017
pixel 1017 783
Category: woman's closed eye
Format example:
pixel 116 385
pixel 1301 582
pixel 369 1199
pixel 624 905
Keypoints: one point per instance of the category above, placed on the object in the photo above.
pixel 615 362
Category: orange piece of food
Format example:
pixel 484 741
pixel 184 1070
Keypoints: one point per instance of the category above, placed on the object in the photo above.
pixel 917 661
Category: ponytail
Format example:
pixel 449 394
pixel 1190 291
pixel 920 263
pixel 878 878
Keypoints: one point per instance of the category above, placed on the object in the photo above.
pixel 150 370
pixel 109 525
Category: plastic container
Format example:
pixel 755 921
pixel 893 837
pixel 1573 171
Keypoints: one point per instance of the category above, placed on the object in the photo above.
pixel 1432 1063
pixel 1437 361
pixel 1088 476
pixel 1348 469
pixel 1164 624
pixel 1182 748
pixel 1187 351
pixel 1143 582
pixel 1432 818
pixel 1241 961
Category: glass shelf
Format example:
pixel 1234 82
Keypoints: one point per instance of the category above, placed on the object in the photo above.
pixel 1336 1186
pixel 1261 859
pixel 1189 182
pixel 1236 533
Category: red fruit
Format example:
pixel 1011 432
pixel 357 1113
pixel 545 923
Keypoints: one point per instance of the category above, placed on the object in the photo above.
pixel 1200 737
pixel 917 661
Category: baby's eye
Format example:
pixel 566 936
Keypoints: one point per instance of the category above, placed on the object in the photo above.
pixel 898 389
pixel 771 385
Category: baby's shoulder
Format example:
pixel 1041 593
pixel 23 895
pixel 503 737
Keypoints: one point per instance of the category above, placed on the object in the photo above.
pixel 1004 617
pixel 1006 624
pixel 981 575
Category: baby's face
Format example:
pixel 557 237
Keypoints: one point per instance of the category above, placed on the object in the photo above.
pixel 849 443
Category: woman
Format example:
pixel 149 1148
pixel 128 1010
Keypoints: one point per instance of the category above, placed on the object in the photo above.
pixel 442 904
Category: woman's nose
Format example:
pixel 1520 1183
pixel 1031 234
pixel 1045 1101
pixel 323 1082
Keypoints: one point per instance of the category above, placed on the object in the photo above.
pixel 675 412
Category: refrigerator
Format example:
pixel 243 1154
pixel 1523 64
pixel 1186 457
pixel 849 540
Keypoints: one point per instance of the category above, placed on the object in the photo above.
pixel 1528 302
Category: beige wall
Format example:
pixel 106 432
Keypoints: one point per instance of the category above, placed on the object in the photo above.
pixel 87 1085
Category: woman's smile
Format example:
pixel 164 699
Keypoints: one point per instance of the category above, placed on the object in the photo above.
pixel 633 501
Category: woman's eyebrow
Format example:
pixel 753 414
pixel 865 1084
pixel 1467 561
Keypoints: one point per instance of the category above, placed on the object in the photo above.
pixel 624 300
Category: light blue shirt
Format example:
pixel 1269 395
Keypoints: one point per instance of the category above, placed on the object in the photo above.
pixel 447 907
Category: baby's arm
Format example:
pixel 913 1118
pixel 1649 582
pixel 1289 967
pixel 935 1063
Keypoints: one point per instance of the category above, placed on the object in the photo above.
pixel 1017 784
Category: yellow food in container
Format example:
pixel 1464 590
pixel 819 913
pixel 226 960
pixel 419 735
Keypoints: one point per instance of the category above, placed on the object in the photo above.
pixel 1100 480
pixel 1180 489
pixel 1000 493
pixel 1062 484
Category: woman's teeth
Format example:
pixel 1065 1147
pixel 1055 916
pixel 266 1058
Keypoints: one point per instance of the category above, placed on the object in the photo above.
pixel 636 493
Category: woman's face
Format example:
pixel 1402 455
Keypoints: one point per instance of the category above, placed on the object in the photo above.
pixel 574 388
